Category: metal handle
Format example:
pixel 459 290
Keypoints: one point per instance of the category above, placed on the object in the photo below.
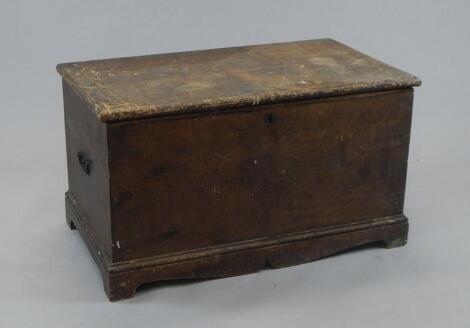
pixel 85 162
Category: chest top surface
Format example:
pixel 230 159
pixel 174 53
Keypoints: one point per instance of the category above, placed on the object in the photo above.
pixel 146 86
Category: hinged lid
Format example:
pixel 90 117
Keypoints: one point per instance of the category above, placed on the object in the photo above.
pixel 147 86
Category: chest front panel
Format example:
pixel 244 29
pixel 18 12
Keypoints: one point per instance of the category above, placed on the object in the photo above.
pixel 196 181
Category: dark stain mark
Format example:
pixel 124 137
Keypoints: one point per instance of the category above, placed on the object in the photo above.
pixel 122 197
pixel 156 170
pixel 292 205
pixel 118 135
pixel 167 235
pixel 364 171
pixel 321 178
pixel 384 171
pixel 339 156
pixel 397 206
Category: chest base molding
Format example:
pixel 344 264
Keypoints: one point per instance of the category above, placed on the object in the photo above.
pixel 122 279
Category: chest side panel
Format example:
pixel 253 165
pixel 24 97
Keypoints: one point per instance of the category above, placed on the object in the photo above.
pixel 87 165
pixel 192 182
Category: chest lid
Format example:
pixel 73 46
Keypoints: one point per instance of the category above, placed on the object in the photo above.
pixel 166 84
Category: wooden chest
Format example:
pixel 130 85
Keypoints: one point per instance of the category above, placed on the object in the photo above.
pixel 222 162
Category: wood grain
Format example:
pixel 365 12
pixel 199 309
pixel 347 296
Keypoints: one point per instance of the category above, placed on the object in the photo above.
pixel 198 181
pixel 145 86
pixel 223 162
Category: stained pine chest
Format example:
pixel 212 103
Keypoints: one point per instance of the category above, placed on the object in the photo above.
pixel 221 162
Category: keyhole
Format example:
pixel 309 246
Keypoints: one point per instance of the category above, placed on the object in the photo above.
pixel 270 118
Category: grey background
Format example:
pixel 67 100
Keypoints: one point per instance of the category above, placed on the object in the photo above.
pixel 48 279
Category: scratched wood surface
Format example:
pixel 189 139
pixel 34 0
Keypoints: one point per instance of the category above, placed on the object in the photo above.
pixel 146 86
pixel 190 183
pixel 222 162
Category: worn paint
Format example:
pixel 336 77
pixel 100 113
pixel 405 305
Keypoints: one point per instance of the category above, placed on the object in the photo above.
pixel 137 87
